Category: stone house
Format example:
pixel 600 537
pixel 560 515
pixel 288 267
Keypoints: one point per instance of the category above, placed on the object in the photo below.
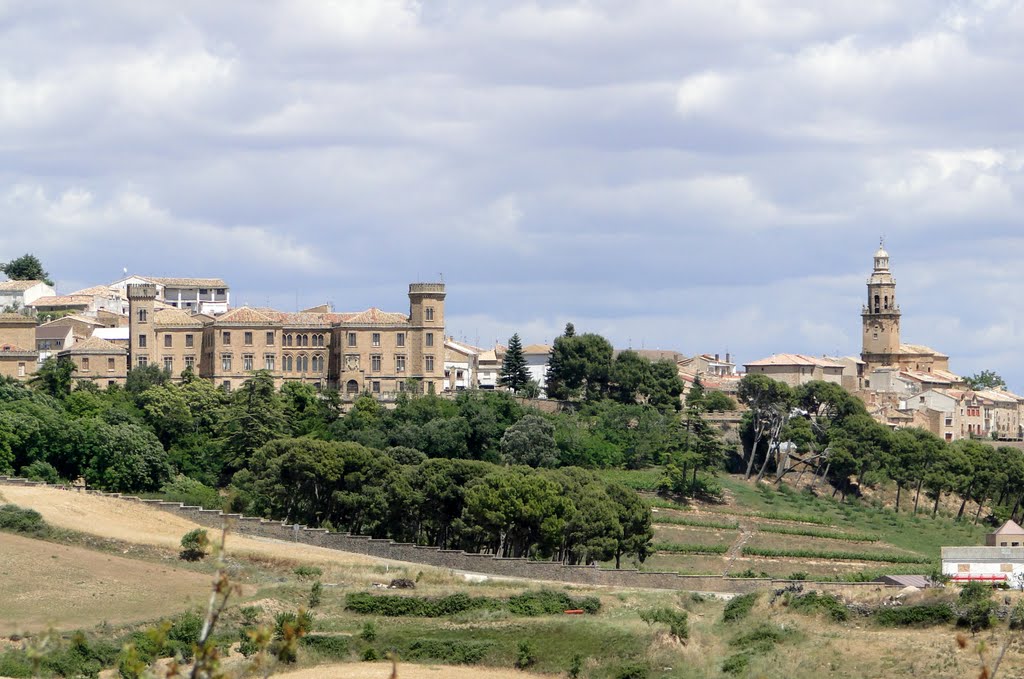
pixel 98 360
pixel 797 369
pixel 20 294
pixel 18 355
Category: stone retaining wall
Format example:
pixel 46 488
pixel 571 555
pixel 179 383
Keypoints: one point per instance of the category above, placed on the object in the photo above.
pixel 457 559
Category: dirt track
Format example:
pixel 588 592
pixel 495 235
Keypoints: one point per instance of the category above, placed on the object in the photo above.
pixel 44 584
pixel 129 521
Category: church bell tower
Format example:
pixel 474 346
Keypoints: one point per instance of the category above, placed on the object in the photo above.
pixel 881 315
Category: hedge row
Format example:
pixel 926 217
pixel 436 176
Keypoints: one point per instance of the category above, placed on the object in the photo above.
pixel 835 555
pixel 532 603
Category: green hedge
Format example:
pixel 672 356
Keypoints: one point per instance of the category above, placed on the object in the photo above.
pixel 814 533
pixel 696 523
pixel 17 519
pixel 923 615
pixel 676 548
pixel 532 603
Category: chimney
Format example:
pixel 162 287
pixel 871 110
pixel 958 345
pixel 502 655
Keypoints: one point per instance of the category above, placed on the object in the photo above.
pixel 727 357
pixel 716 357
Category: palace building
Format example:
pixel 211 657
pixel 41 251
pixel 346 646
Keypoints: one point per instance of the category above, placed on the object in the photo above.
pixel 368 351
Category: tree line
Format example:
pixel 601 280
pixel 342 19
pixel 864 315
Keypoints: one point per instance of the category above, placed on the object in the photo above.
pixel 821 429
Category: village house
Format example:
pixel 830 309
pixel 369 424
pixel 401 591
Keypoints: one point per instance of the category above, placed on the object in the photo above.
pixel 460 365
pixel 16 295
pixel 1000 560
pixel 18 355
pixel 797 369
pixel 98 361
pixel 201 295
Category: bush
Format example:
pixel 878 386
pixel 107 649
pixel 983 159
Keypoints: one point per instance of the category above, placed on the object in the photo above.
pixel 532 603
pixel 736 664
pixel 633 670
pixel 330 646
pixel 576 666
pixel 922 615
pixel 191 492
pixel 977 616
pixel 832 555
pixel 812 603
pixel 739 607
pixel 525 657
pixel 974 592
pixel 194 545
pixel 454 652
pixel 550 602
pixel 41 471
pixel 799 575
pixel 17 519
pixel 369 633
pixel 315 594
pixel 677 621
pixel 761 639
pixel 307 572
pixel 370 655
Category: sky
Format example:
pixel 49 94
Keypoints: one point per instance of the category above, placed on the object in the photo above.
pixel 708 177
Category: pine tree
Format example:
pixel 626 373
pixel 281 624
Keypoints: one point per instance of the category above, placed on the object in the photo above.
pixel 514 373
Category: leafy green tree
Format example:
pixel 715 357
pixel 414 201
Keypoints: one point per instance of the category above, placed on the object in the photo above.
pixel 717 402
pixel 26 268
pixel 635 520
pixel 770 403
pixel 124 458
pixel 579 367
pixel 986 379
pixel 167 412
pixel 514 372
pixel 54 377
pixel 530 441
pixel 592 532
pixel 141 378
pixel 256 417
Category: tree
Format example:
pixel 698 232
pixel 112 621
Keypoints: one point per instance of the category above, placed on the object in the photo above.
pixel 579 367
pixel 54 377
pixel 717 401
pixel 140 378
pixel 26 268
pixel 769 402
pixel 635 520
pixel 256 417
pixel 530 441
pixel 986 379
pixel 514 373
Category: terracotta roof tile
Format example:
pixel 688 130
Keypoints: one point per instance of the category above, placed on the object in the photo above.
pixel 188 282
pixel 175 318
pixel 15 319
pixel 15 349
pixel 374 316
pixel 63 300
pixel 17 286
pixel 247 315
pixel 94 345
pixel 795 359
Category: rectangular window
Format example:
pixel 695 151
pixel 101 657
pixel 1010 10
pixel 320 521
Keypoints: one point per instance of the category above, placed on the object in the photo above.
pixel 142 341
pixel 225 362
pixel 375 339
pixel 430 313
pixel 168 364
pixel 226 384
pixel 225 338
pixel 429 363
pixel 85 363
pixel 111 365
pixel 220 291
pixel 375 363
pixel 269 362
pixel 167 339
pixel 400 339
pixel 203 291
pixel 190 362
pixel 247 338
pixel 351 339
pixel 400 385
pixel 376 386
pixel 270 339
pixel 21 370
pixel 399 364
pixel 247 362
pixel 430 339
pixel 142 362
pixel 189 341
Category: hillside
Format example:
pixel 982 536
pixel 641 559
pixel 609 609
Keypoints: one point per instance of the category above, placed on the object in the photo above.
pixel 774 639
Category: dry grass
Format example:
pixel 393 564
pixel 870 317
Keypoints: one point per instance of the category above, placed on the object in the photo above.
pixel 43 584
pixel 382 670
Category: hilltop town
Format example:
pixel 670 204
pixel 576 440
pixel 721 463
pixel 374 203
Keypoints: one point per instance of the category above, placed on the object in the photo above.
pixel 181 324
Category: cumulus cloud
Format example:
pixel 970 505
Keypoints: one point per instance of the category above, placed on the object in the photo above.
pixel 689 175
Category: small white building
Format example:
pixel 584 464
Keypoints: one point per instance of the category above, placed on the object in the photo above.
pixel 20 294
pixel 537 358
pixel 200 295
pixel 1001 559
pixel 488 367
pixel 460 362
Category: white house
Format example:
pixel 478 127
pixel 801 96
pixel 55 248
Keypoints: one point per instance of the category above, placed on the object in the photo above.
pixel 537 357
pixel 203 295
pixel 1001 559
pixel 488 367
pixel 460 362
pixel 19 294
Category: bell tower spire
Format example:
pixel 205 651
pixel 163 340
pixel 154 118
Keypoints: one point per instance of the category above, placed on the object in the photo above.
pixel 880 317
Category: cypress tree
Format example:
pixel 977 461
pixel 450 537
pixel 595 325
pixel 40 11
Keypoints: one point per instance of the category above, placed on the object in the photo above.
pixel 514 373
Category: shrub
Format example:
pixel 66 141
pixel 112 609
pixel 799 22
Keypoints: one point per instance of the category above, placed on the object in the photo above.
pixel 677 621
pixel 17 519
pixel 677 548
pixel 550 602
pixel 633 670
pixel 973 592
pixel 41 471
pixel 307 572
pixel 835 555
pixel 922 615
pixel 739 607
pixel 814 602
pixel 194 545
pixel 799 575
pixel 576 666
pixel 525 657
pixel 532 603
pixel 402 583
pixel 330 646
pixel 315 594
pixel 761 639
pixel 191 492
pixel 697 523
pixel 369 633
pixel 370 655
pixel 455 652
pixel 186 629
pixel 736 664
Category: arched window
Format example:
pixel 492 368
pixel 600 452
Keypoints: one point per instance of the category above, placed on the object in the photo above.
pixel 352 387
pixel 287 340
pixel 286 363
pixel 318 364
pixel 887 301
pixel 301 363
pixel 877 309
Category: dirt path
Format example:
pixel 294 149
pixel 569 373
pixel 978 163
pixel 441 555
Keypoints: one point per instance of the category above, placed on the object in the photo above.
pixel 382 670
pixel 736 550
pixel 132 522
pixel 44 584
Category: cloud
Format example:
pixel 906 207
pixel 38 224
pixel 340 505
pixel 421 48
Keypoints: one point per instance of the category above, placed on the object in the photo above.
pixel 698 176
